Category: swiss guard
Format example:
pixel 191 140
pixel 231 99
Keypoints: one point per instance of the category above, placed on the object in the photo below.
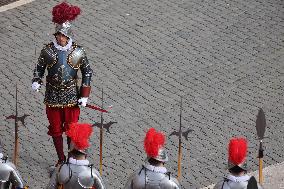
pixel 9 176
pixel 237 166
pixel 77 172
pixel 63 58
pixel 153 173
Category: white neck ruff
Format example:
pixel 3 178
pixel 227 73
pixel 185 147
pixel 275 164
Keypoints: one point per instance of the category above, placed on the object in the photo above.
pixel 156 169
pixel 65 48
pixel 78 162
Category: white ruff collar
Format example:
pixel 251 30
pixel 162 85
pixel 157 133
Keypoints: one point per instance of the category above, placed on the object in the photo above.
pixel 238 179
pixel 78 162
pixel 156 169
pixel 65 48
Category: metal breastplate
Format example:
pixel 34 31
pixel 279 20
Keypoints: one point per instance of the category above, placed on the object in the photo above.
pixel 61 81
pixel 153 180
pixel 61 73
pixel 79 176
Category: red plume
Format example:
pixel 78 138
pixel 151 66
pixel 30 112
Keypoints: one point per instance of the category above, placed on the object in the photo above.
pixel 64 12
pixel 80 134
pixel 237 150
pixel 153 142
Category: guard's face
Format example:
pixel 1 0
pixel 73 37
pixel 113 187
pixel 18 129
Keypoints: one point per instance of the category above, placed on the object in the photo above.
pixel 61 39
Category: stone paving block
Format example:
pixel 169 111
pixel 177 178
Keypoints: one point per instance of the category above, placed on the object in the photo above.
pixel 224 58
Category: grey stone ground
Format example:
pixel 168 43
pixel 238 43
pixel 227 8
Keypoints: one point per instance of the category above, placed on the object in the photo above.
pixel 6 2
pixel 225 58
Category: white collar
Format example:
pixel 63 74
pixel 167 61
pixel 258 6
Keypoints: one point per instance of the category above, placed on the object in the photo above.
pixel 156 169
pixel 78 162
pixel 65 48
pixel 238 179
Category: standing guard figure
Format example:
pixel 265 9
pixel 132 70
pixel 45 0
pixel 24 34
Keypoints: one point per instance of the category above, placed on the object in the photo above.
pixel 9 174
pixel 77 172
pixel 63 58
pixel 153 174
pixel 237 165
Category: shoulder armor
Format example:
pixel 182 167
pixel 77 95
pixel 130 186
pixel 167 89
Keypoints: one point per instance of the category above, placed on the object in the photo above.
pixel 74 44
pixel 48 46
pixel 48 55
pixel 64 174
pixel 76 56
pixel 5 170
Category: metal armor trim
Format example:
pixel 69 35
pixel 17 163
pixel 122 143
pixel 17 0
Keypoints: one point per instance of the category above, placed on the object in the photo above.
pixel 60 105
pixel 64 87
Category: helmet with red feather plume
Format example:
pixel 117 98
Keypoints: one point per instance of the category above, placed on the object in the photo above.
pixel 62 15
pixel 237 153
pixel 79 134
pixel 154 145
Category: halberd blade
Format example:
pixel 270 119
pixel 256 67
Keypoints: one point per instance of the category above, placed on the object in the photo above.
pixel 260 124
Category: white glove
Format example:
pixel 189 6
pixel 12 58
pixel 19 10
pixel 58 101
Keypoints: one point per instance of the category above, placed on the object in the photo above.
pixel 35 86
pixel 83 101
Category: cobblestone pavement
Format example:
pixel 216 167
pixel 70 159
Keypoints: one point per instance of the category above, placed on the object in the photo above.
pixel 225 58
pixel 6 2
